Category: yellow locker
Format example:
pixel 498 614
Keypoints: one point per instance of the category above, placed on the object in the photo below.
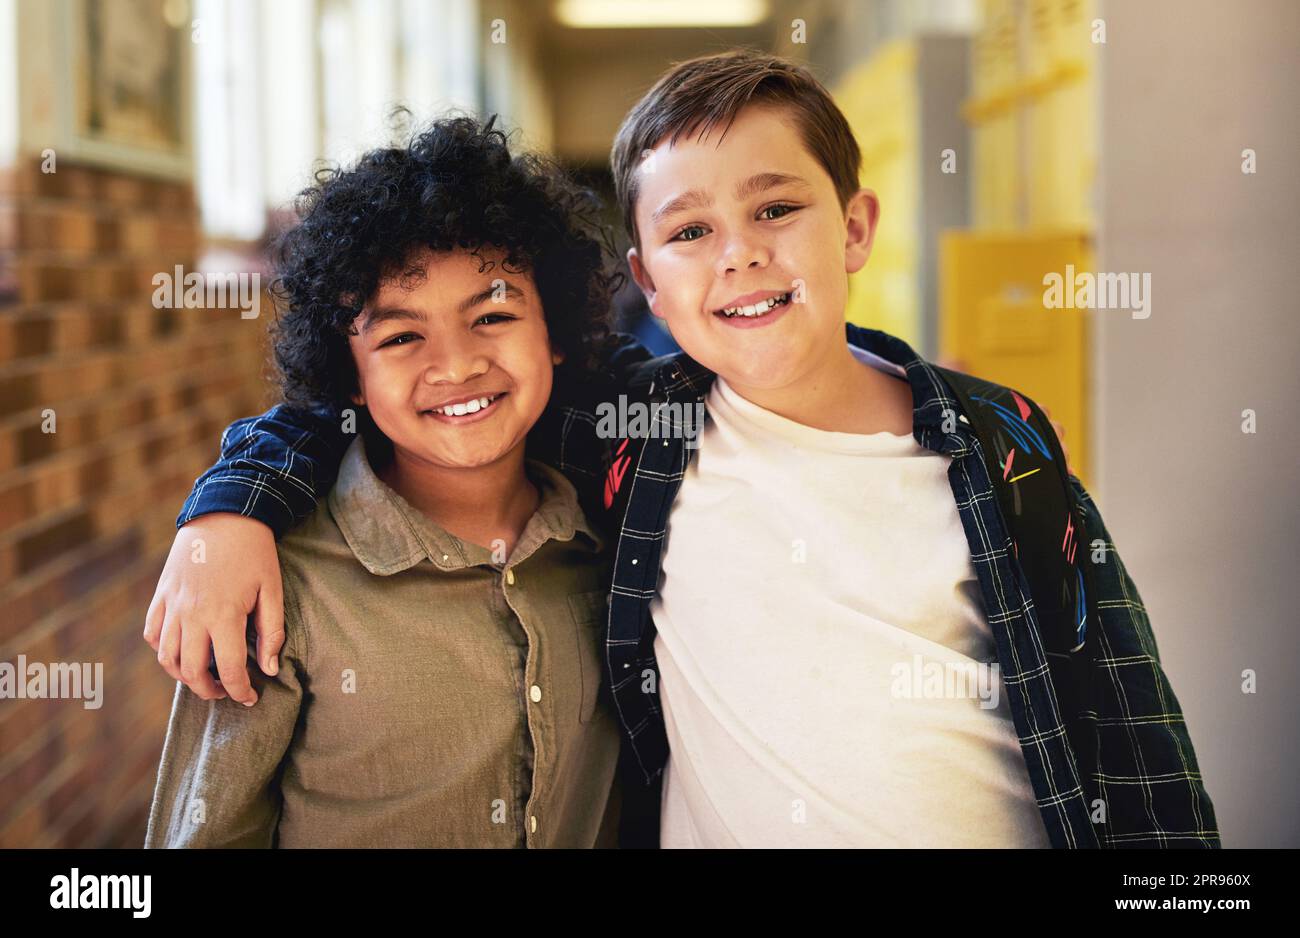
pixel 995 120
pixel 1033 117
pixel 1075 113
pixel 879 99
pixel 1057 94
pixel 994 322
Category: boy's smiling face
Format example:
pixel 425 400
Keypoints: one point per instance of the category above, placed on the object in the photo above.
pixel 456 336
pixel 738 223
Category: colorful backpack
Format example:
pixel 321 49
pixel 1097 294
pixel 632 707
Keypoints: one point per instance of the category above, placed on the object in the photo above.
pixel 1029 474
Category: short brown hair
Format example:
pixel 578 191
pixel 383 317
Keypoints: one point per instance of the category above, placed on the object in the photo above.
pixel 711 90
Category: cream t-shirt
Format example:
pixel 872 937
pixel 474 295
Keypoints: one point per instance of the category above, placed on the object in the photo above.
pixel 827 674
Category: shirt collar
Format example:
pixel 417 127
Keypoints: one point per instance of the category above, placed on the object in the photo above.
pixel 937 423
pixel 388 535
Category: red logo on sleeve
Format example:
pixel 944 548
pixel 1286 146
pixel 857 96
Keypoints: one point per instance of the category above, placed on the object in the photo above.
pixel 614 479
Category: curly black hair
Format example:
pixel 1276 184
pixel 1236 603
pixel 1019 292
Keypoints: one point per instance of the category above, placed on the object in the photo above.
pixel 454 186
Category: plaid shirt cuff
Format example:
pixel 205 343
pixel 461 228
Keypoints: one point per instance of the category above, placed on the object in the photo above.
pixel 240 492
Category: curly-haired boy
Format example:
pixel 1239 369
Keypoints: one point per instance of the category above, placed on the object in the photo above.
pixel 439 675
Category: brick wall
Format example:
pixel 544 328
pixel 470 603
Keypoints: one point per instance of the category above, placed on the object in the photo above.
pixel 86 513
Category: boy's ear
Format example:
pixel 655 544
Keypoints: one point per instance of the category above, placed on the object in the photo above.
pixel 860 218
pixel 643 279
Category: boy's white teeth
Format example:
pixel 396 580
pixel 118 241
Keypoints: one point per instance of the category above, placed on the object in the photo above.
pixel 465 407
pixel 758 309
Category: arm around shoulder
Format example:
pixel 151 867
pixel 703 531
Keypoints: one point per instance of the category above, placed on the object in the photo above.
pixel 273 467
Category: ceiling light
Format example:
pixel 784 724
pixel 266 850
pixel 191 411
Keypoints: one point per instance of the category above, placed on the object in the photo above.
pixel 628 14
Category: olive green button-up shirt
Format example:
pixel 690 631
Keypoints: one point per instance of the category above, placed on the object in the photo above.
pixel 428 696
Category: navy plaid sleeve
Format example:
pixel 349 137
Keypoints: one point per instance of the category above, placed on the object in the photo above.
pixel 273 467
pixel 1146 770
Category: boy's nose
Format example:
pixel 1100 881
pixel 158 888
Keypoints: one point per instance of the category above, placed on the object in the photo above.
pixel 454 362
pixel 742 253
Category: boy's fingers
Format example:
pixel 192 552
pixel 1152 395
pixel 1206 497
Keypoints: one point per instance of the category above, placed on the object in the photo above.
pixel 194 659
pixel 230 648
pixel 268 618
pixel 169 645
pixel 153 620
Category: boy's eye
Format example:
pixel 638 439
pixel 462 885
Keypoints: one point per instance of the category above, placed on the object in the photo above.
pixel 398 339
pixel 685 233
pixel 781 210
pixel 496 317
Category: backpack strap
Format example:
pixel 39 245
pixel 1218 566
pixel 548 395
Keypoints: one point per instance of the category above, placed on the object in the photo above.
pixel 1029 474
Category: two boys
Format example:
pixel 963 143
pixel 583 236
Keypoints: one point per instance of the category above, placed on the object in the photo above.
pixel 832 524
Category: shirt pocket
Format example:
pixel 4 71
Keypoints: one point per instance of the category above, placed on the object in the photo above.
pixel 589 612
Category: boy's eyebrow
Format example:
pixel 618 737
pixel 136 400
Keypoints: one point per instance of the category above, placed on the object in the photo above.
pixel 696 198
pixel 508 289
pixel 384 314
pixel 699 198
pixel 379 316
pixel 761 182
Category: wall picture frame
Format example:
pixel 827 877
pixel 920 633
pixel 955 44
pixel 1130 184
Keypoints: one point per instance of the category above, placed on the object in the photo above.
pixel 128 103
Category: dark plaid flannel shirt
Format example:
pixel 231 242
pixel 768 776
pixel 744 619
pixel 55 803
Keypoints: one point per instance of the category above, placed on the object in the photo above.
pixel 1146 789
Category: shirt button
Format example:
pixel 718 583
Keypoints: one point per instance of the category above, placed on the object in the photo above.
pixel 510 578
pixel 535 692
pixel 532 822
pixel 634 561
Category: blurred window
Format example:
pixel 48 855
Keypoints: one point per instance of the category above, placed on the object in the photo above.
pixel 227 136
